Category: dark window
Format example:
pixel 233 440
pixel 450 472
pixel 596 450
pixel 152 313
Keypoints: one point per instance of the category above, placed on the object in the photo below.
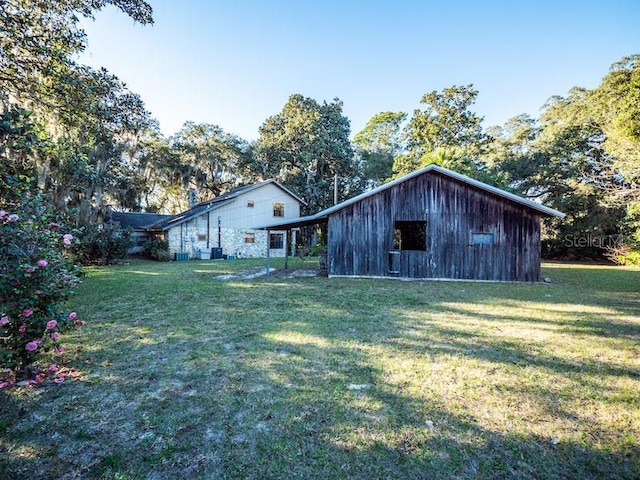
pixel 278 209
pixel 410 235
pixel 481 238
pixel 249 237
pixel 276 240
pixel 250 203
pixel 202 237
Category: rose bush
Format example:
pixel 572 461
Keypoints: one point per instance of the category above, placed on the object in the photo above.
pixel 37 277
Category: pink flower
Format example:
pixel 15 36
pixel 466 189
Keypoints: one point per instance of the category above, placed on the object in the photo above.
pixel 59 350
pixel 79 323
pixel 30 269
pixel 27 312
pixel 13 218
pixel 4 320
pixel 53 368
pixel 42 263
pixel 22 329
pixel 55 336
pixel 67 238
pixel 73 315
pixel 59 379
pixel 51 324
pixel 3 214
pixel 38 292
pixel 40 377
pixel 31 346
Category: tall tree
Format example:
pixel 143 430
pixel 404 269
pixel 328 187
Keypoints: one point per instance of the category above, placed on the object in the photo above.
pixel 87 120
pixel 305 146
pixel 209 158
pixel 445 131
pixel 377 145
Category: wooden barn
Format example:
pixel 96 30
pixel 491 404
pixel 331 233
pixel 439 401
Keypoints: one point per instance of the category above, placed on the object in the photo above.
pixel 433 223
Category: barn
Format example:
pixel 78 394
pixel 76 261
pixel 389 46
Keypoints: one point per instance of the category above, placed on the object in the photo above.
pixel 433 223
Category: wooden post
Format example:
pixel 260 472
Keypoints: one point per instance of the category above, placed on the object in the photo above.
pixel 268 254
pixel 286 248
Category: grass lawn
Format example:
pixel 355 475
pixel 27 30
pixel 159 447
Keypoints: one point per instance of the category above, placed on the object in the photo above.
pixel 186 375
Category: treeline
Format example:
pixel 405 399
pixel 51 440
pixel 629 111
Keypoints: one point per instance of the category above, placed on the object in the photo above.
pixel 82 137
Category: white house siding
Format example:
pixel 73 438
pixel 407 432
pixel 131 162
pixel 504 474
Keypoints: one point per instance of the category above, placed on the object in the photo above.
pixel 236 220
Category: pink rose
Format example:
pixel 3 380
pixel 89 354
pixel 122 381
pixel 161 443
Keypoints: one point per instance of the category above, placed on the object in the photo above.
pixel 4 320
pixel 59 379
pixel 22 329
pixel 55 336
pixel 59 350
pixel 51 324
pixel 67 238
pixel 31 346
pixel 42 263
pixel 73 315
pixel 27 312
pixel 53 368
pixel 30 269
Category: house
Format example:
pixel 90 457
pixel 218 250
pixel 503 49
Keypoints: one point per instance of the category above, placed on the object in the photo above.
pixel 138 223
pixel 433 223
pixel 226 224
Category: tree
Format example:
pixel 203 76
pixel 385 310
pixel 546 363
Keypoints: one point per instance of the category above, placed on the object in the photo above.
pixel 37 42
pixel 209 159
pixel 305 146
pixel 447 130
pixel 377 145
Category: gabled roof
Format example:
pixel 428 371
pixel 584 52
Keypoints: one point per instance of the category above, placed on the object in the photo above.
pixel 216 203
pixel 135 220
pixel 323 215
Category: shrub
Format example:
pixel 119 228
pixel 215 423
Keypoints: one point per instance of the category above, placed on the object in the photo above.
pixel 624 254
pixel 158 249
pixel 103 243
pixel 36 279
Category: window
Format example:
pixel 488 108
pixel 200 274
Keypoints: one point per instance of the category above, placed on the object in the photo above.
pixel 202 237
pixel 276 240
pixel 249 237
pixel 278 209
pixel 481 238
pixel 410 235
pixel 250 203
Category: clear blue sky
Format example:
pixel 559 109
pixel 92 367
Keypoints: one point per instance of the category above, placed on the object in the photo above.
pixel 235 62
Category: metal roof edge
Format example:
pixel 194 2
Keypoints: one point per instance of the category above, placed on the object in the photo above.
pixel 450 173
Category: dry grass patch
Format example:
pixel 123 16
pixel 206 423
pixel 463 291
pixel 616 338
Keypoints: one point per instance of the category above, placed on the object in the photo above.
pixel 186 375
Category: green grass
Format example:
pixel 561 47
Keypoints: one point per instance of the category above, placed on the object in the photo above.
pixel 185 375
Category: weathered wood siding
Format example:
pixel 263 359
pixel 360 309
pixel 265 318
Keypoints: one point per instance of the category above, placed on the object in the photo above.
pixel 361 235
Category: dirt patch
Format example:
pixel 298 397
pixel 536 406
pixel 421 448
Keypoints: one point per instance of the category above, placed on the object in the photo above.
pixel 255 272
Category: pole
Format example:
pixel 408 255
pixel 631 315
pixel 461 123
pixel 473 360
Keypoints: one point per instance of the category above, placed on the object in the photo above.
pixel 267 268
pixel 335 189
pixel 219 233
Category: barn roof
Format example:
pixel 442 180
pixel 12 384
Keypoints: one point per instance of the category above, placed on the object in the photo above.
pixel 323 215
pixel 214 204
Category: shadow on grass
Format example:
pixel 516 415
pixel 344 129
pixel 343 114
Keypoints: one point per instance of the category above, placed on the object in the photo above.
pixel 313 386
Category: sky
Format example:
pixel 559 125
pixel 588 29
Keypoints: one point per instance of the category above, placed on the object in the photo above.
pixel 234 63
